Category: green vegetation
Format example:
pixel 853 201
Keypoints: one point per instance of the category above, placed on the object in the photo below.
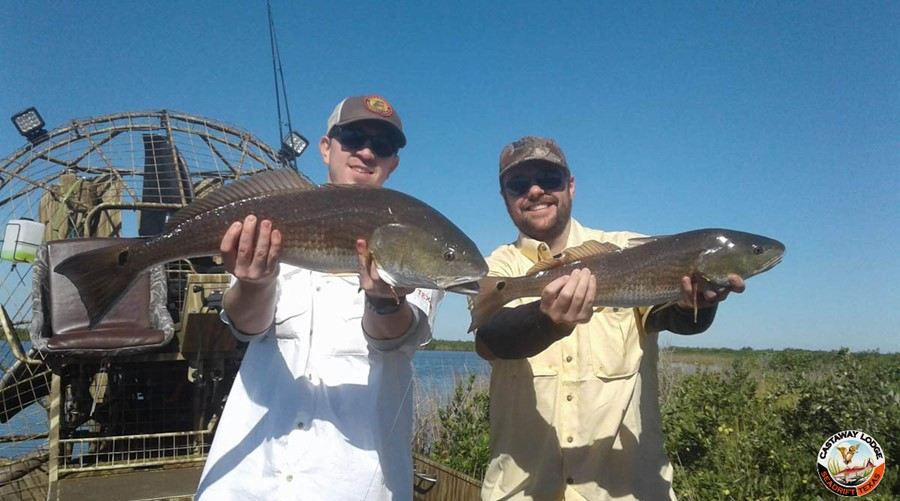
pixel 746 425
pixel 444 345
pixel 463 439
pixel 21 333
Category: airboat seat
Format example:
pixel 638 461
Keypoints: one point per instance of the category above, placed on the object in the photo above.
pixel 139 322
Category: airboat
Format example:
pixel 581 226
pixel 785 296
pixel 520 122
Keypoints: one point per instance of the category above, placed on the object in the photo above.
pixel 126 410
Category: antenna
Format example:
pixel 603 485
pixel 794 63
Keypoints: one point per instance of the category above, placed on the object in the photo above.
pixel 290 140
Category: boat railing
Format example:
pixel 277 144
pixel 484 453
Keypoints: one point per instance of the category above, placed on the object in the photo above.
pixel 133 451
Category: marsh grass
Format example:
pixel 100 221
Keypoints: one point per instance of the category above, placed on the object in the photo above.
pixel 453 428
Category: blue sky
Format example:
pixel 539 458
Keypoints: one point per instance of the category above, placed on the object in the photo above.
pixel 778 118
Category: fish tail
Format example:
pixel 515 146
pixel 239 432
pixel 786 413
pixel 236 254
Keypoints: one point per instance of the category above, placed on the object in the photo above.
pixel 488 301
pixel 102 276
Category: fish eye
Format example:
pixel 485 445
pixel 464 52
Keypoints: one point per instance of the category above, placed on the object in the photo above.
pixel 449 255
pixel 757 250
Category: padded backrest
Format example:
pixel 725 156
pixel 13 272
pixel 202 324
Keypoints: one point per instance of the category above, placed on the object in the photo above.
pixel 138 322
pixel 67 312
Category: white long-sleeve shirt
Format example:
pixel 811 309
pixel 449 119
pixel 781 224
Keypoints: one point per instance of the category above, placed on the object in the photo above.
pixel 319 410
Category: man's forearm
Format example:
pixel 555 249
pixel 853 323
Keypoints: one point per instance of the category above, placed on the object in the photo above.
pixel 250 306
pixel 521 332
pixel 386 322
pixel 680 321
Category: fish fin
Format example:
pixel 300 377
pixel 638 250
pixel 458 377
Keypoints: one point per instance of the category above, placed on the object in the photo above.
pixel 664 305
pixel 588 249
pixel 636 241
pixel 261 183
pixel 574 254
pixel 102 276
pixel 488 301
pixel 695 287
pixel 547 264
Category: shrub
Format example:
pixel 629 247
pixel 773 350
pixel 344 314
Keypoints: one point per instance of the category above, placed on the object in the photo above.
pixel 462 438
pixel 751 432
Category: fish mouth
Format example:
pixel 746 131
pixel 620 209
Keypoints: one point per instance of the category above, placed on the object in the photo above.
pixel 466 288
pixel 459 284
pixel 771 263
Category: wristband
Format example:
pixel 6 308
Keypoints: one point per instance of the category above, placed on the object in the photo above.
pixel 385 305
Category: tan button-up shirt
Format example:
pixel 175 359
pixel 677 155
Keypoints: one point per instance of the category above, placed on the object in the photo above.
pixel 580 420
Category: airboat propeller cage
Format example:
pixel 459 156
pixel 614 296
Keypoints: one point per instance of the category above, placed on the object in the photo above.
pixel 21 240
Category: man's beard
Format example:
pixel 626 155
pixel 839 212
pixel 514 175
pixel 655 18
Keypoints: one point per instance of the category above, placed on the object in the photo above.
pixel 546 233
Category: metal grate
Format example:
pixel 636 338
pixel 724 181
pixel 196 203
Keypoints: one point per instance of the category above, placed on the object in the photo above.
pixel 130 451
pixel 114 175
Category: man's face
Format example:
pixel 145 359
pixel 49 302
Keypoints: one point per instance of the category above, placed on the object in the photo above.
pixel 355 162
pixel 541 213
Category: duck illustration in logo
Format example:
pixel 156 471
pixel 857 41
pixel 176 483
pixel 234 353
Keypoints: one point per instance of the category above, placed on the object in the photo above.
pixel 848 452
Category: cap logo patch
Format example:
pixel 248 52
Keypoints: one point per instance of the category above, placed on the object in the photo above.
pixel 379 106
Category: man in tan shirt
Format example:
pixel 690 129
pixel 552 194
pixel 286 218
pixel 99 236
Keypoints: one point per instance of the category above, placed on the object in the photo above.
pixel 574 409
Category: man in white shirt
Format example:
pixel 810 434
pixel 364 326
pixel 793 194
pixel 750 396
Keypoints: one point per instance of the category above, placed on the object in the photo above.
pixel 321 407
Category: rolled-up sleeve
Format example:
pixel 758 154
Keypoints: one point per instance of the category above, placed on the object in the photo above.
pixel 419 332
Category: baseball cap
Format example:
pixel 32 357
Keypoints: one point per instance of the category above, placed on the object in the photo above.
pixel 371 107
pixel 531 148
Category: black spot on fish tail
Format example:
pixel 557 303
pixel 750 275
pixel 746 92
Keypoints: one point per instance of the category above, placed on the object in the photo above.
pixel 487 302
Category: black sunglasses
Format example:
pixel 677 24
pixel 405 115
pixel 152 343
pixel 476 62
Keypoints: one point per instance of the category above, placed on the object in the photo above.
pixel 548 180
pixel 355 139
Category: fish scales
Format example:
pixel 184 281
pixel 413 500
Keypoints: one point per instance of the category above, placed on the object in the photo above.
pixel 626 277
pixel 412 244
pixel 318 227
pixel 645 275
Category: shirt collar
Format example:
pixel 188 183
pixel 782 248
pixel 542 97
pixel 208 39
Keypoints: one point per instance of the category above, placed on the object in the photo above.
pixel 537 251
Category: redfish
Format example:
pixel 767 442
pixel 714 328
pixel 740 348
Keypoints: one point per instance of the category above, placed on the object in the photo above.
pixel 412 244
pixel 646 273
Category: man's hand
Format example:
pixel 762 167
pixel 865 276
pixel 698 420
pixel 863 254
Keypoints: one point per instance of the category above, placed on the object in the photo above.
pixel 251 251
pixel 369 280
pixel 569 300
pixel 701 293
pixel 381 326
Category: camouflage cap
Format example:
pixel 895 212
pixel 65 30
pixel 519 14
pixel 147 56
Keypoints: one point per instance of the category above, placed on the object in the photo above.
pixel 531 148
pixel 371 107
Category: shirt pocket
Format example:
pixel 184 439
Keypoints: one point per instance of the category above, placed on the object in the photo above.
pixel 293 304
pixel 339 310
pixel 614 343
pixel 546 363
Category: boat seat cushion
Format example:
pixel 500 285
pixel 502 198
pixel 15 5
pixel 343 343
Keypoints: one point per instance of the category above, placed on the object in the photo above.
pixel 138 322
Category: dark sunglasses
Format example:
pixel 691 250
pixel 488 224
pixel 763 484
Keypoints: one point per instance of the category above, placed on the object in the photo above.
pixel 355 139
pixel 548 180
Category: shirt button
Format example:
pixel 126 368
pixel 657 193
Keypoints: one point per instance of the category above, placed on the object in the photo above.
pixel 300 425
pixel 569 398
pixel 289 478
pixel 615 310
pixel 570 440
pixel 569 358
pixel 570 480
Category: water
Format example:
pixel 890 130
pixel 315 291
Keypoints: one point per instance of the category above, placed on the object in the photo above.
pixel 436 375
pixel 437 372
